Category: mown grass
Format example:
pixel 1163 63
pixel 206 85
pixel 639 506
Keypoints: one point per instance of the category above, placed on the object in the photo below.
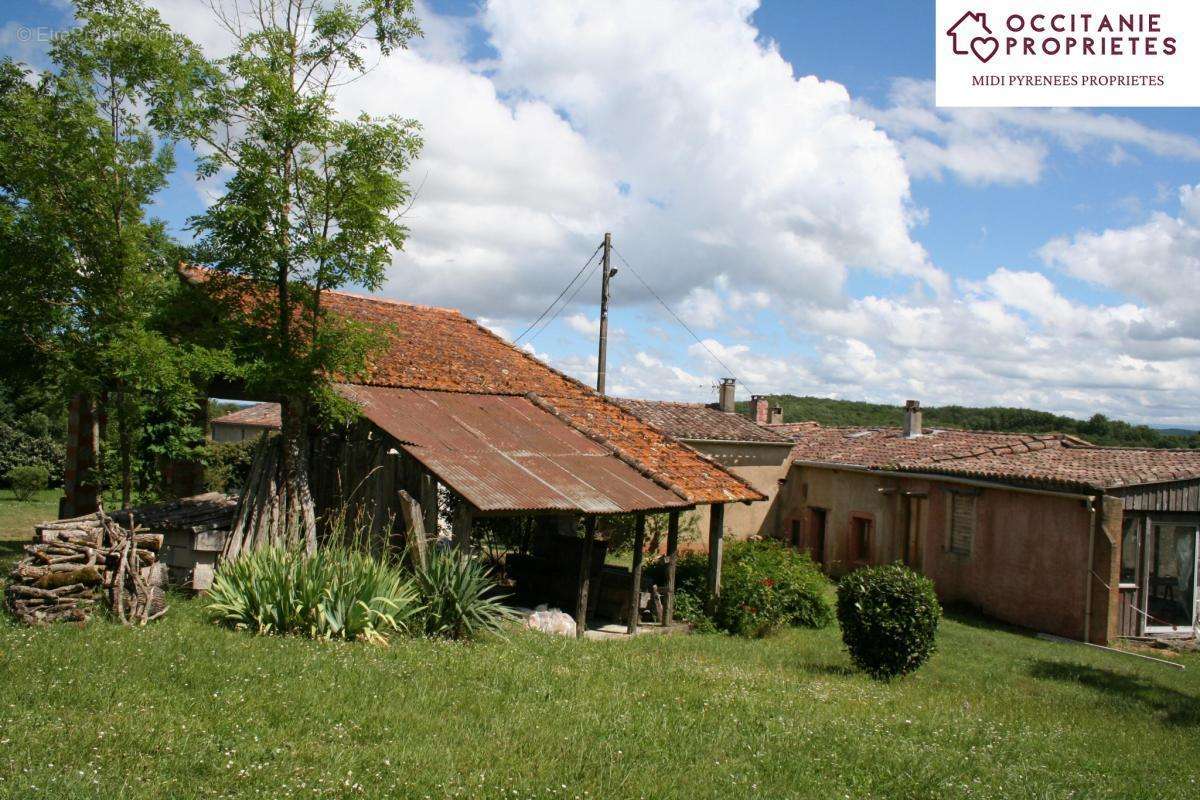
pixel 184 709
pixel 17 517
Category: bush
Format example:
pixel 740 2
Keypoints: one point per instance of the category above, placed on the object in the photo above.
pixel 764 586
pixel 333 594
pixel 889 617
pixel 460 597
pixel 19 448
pixel 28 481
pixel 226 465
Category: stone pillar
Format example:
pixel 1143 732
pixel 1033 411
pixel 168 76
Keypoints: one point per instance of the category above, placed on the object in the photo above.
pixel 80 485
pixel 1106 569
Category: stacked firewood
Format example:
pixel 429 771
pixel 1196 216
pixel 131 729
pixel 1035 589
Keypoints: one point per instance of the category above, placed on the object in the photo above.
pixel 75 565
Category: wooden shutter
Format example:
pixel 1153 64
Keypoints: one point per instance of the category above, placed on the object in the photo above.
pixel 962 523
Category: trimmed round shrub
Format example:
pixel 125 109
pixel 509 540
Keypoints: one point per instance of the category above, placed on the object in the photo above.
pixel 764 586
pixel 889 617
pixel 28 481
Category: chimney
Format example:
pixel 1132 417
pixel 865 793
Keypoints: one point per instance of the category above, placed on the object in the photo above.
pixel 912 419
pixel 758 409
pixel 775 417
pixel 726 400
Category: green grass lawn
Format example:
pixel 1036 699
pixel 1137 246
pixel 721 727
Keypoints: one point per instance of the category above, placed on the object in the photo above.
pixel 183 709
pixel 17 517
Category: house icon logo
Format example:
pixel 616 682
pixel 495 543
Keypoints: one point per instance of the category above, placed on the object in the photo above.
pixel 970 35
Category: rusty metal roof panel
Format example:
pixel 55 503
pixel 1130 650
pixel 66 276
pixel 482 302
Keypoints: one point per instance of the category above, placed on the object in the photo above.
pixel 503 453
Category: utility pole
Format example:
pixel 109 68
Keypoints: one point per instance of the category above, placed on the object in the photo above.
pixel 606 273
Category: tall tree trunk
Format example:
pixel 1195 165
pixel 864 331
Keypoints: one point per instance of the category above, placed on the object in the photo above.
pixel 299 514
pixel 125 444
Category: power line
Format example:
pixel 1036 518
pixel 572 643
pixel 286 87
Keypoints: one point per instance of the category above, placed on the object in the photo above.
pixel 570 300
pixel 683 324
pixel 560 296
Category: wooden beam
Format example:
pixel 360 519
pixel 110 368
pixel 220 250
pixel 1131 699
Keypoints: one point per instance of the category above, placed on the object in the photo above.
pixel 635 589
pixel 429 501
pixel 414 529
pixel 672 558
pixel 585 574
pixel 716 548
pixel 462 524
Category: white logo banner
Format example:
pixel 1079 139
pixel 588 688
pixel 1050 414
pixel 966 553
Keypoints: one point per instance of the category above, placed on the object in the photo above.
pixel 1062 53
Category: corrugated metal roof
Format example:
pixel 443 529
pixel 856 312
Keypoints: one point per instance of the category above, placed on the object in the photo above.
pixel 503 453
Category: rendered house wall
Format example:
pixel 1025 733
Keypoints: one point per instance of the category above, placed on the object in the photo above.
pixel 1028 563
pixel 762 467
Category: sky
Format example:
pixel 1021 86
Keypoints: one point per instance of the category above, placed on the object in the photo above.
pixel 778 176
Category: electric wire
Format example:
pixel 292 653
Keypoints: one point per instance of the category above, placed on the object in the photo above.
pixel 566 288
pixel 683 324
pixel 570 300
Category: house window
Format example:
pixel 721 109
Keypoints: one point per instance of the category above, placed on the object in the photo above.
pixel 862 529
pixel 962 523
pixel 796 542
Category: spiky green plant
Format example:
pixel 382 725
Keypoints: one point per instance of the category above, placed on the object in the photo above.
pixel 459 594
pixel 332 594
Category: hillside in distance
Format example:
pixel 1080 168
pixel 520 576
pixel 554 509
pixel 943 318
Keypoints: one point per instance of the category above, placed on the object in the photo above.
pixel 1098 429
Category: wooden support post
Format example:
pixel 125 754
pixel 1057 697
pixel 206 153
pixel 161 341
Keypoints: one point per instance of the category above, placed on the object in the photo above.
pixel 635 589
pixel 672 557
pixel 585 574
pixel 716 547
pixel 428 495
pixel 463 522
pixel 414 529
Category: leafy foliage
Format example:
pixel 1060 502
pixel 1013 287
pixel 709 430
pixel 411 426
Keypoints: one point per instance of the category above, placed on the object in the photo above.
pixel 889 617
pixel 311 201
pixel 332 594
pixel 460 597
pixel 19 449
pixel 28 481
pixel 1098 429
pixel 227 464
pixel 82 155
pixel 764 586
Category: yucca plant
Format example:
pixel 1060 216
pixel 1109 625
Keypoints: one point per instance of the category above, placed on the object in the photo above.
pixel 459 595
pixel 332 594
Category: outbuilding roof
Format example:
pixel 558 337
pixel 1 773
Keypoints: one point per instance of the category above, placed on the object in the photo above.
pixel 698 422
pixel 259 415
pixel 1050 459
pixel 440 349
pixel 507 453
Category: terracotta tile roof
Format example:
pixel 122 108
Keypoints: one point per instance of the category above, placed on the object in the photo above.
pixel 440 349
pixel 700 422
pixel 261 415
pixel 1050 459
pixel 1071 464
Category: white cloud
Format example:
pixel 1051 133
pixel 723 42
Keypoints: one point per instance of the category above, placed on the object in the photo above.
pixel 1010 146
pixel 581 323
pixel 739 190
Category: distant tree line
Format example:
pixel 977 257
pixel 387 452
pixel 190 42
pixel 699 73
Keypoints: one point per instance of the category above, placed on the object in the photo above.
pixel 1097 429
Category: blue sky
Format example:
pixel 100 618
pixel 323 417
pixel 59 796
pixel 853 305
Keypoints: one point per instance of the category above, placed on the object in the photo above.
pixel 837 236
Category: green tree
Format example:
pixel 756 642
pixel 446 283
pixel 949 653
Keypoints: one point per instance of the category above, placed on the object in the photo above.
pixel 80 161
pixel 311 201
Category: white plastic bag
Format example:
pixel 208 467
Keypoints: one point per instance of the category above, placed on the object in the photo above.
pixel 551 620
